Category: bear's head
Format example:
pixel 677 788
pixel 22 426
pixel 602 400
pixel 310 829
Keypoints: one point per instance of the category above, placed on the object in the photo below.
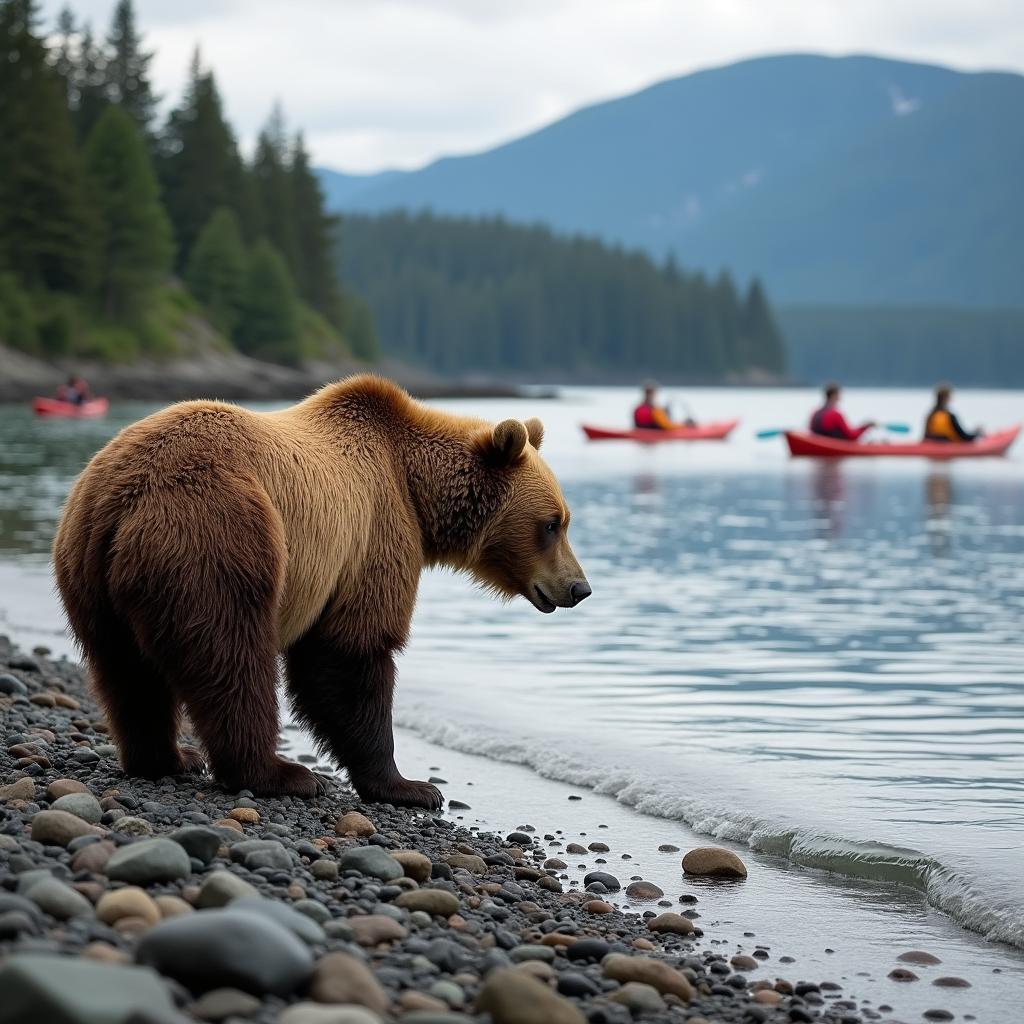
pixel 524 550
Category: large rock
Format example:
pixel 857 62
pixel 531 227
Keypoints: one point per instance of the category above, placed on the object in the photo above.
pixel 609 881
pixel 467 862
pixel 219 888
pixel 39 989
pixel 234 948
pixel 149 861
pixel 342 978
pixel 372 861
pixel 296 922
pixel 131 901
pixel 58 828
pixel 512 997
pixel 21 789
pixel 714 862
pixel 664 978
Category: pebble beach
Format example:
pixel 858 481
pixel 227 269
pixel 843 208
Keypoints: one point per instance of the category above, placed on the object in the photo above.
pixel 129 900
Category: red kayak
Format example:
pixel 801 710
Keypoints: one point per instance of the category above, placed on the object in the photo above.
pixel 69 410
pixel 705 432
pixel 801 443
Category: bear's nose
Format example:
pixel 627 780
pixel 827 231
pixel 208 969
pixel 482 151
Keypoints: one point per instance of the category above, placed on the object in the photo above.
pixel 579 591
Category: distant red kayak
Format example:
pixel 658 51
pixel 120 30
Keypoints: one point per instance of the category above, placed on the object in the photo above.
pixel 69 410
pixel 801 443
pixel 704 432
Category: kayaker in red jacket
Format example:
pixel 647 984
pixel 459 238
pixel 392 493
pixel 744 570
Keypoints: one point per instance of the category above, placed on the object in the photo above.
pixel 828 421
pixel 648 415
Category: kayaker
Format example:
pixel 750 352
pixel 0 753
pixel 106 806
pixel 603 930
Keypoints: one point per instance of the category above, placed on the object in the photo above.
pixel 648 415
pixel 69 392
pixel 828 421
pixel 942 424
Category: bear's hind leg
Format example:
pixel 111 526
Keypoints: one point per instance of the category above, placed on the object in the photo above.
pixel 140 707
pixel 345 698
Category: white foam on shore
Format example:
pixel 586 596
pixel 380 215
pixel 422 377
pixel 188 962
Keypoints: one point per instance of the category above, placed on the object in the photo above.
pixel 651 792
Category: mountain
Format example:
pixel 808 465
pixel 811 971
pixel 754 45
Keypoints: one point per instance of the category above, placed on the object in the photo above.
pixel 854 180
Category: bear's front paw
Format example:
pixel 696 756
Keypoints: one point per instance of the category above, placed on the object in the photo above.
pixel 402 793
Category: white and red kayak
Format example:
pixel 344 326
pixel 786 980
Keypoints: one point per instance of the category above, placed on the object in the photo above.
pixel 802 443
pixel 651 435
pixel 54 407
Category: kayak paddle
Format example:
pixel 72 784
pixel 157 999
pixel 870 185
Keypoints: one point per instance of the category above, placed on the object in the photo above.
pixel 895 428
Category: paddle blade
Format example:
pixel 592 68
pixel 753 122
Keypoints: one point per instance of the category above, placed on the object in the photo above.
pixel 897 428
pixel 765 434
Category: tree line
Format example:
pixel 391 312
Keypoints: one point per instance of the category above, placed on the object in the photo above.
pixel 485 295
pixel 102 209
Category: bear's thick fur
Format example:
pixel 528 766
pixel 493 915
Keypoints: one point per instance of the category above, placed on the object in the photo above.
pixel 206 539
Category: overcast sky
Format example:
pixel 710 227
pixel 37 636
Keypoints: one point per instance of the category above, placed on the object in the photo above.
pixel 396 83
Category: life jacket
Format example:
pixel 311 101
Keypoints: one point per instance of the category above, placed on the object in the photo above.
pixel 821 426
pixel 643 417
pixel 939 426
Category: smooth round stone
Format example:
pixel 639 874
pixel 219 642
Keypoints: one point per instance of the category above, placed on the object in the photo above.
pixel 21 789
pixel 416 865
pixel 81 805
pixel 316 912
pixel 588 949
pixel 149 861
pixel 221 1003
pixel 234 948
pixel 132 826
pixel 343 978
pixel 511 997
pixel 130 901
pixel 431 901
pixel 643 891
pixel 173 906
pixel 40 989
pixel 221 887
pixel 744 963
pixel 919 956
pixel 371 861
pixel 58 828
pixel 371 929
pixel 354 824
pixel 59 900
pixel 520 954
pixel 671 924
pixel 714 862
pixel 610 882
pixel 12 686
pixel 597 907
pixel 61 787
pixel 449 992
pixel 639 997
pixel 571 983
pixel 198 841
pixel 324 870
pixel 292 917
pixel 657 973
pixel 950 982
pixel 315 1013
pixel 106 750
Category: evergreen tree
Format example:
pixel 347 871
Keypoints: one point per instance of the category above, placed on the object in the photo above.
pixel 45 225
pixel 268 326
pixel 217 269
pixel 89 96
pixel 127 71
pixel 314 231
pixel 764 345
pixel 136 249
pixel 200 169
pixel 273 190
pixel 65 61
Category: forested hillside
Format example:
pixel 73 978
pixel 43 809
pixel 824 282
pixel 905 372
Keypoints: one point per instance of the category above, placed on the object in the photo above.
pixel 116 231
pixel 847 181
pixel 484 295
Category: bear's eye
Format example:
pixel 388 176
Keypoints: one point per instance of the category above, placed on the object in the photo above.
pixel 551 526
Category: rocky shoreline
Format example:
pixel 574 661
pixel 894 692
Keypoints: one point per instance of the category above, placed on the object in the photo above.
pixel 123 900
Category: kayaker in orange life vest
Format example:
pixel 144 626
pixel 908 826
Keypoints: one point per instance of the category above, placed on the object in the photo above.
pixel 828 421
pixel 942 424
pixel 650 416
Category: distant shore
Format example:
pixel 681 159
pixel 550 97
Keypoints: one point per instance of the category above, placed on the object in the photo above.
pixel 227 375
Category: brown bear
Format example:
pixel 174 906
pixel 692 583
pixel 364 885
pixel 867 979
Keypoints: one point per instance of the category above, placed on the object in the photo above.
pixel 205 540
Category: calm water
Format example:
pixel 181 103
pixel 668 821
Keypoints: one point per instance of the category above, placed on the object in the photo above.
pixel 821 661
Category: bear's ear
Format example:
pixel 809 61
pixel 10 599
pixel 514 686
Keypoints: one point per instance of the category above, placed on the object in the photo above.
pixel 506 443
pixel 534 431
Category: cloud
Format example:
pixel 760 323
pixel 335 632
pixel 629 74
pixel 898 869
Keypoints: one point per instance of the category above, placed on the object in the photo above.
pixel 379 83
